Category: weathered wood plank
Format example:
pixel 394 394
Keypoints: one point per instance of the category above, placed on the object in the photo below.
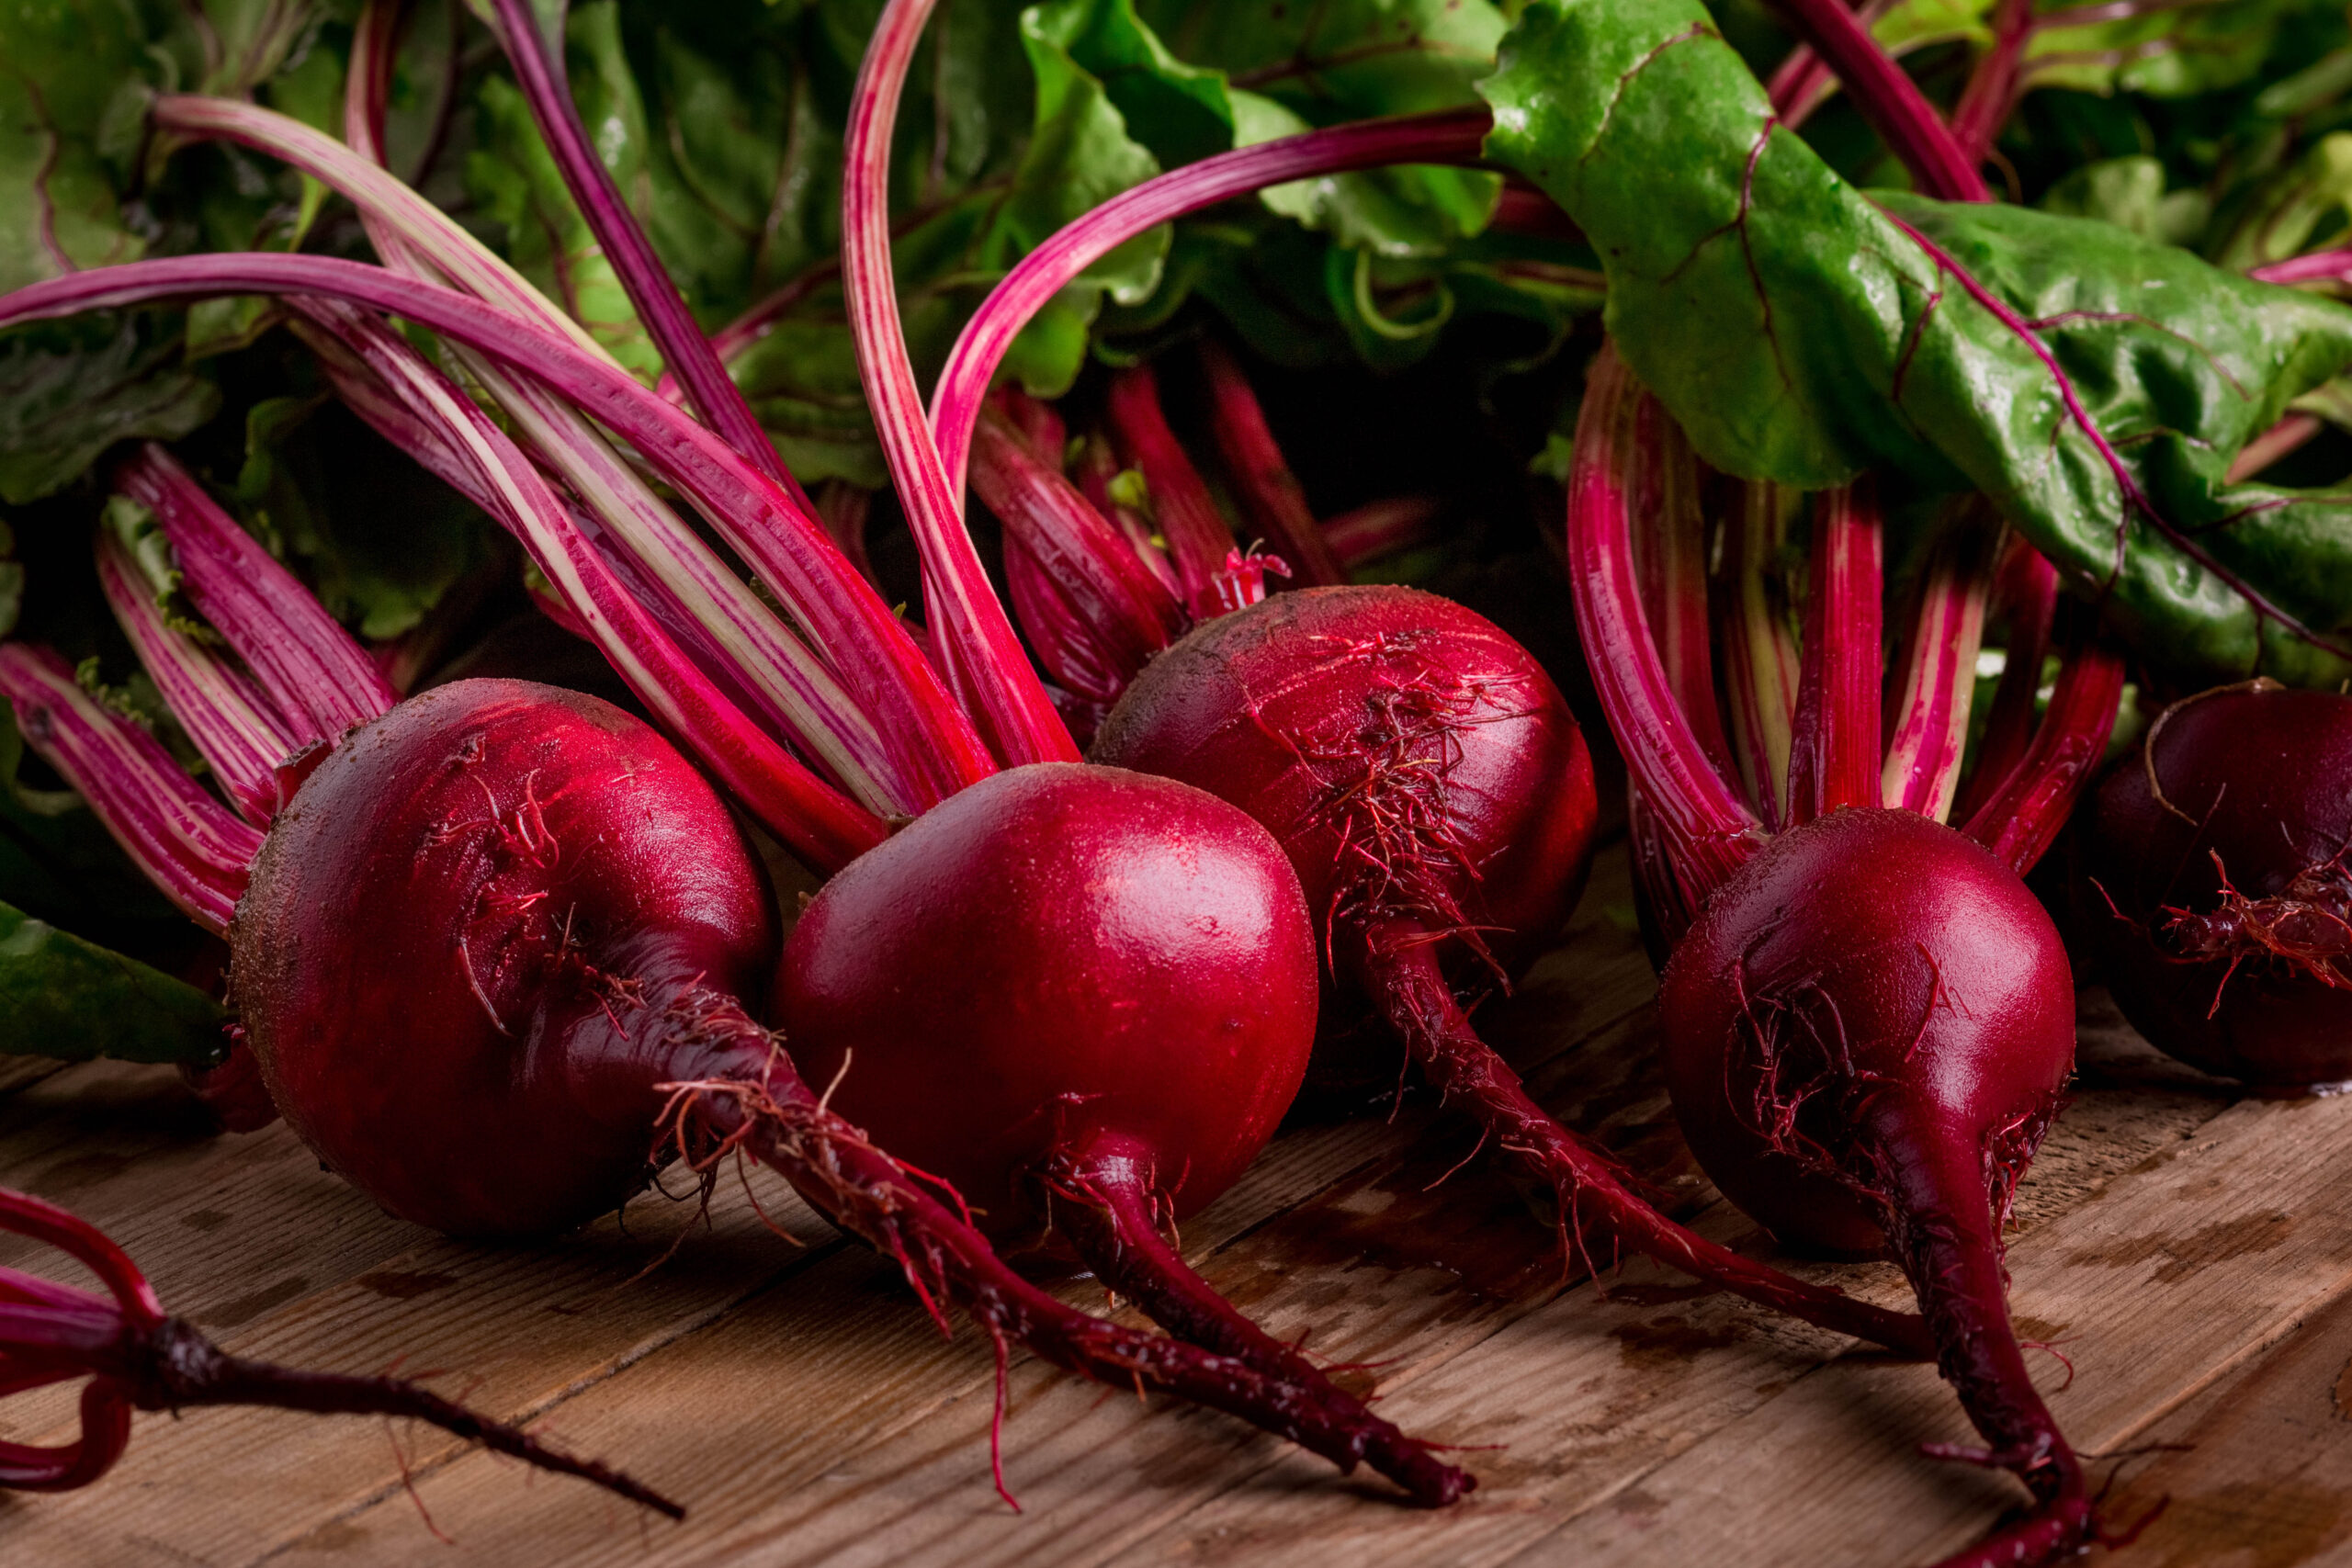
pixel 1380 1268
pixel 2255 1472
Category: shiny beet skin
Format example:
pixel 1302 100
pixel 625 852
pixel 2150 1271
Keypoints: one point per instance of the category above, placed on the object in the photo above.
pixel 1872 1001
pixel 462 956
pixel 1417 764
pixel 2253 981
pixel 1062 961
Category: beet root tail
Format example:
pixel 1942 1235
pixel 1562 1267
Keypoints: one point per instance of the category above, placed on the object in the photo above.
pixel 179 1368
pixel 1107 1209
pixel 1943 1229
pixel 1402 972
pixel 769 1112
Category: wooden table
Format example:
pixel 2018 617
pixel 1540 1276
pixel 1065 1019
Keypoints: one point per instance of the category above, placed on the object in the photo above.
pixel 2188 1253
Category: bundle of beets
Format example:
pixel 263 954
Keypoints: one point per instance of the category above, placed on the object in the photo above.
pixel 500 951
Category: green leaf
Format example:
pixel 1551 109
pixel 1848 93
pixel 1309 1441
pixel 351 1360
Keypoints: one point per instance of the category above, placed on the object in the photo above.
pixel 70 390
pixel 514 178
pixel 2165 52
pixel 381 540
pixel 75 77
pixel 2129 193
pixel 60 996
pixel 1800 335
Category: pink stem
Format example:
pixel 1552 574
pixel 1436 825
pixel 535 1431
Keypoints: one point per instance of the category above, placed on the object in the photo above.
pixel 184 841
pixel 1198 539
pixel 1923 760
pixel 970 634
pixel 232 722
pixel 1888 98
pixel 1991 91
pixel 308 664
pixel 1097 468
pixel 1381 527
pixel 2024 818
pixel 1709 834
pixel 650 289
pixel 1760 661
pixel 2028 593
pixel 2320 266
pixel 1269 491
pixel 1452 136
pixel 1834 755
pixel 1127 613
pixel 877 662
pixel 813 820
pixel 2288 434
pixel 1673 554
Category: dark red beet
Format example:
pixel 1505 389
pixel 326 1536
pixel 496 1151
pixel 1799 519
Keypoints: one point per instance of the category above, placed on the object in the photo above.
pixel 2216 892
pixel 1061 965
pixel 1867 1031
pixel 1084 998
pixel 492 897
pixel 1436 797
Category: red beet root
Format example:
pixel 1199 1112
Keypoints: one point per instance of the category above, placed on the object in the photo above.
pixel 1061 967
pixel 2219 897
pixel 470 944
pixel 1436 797
pixel 1083 997
pixel 1867 1031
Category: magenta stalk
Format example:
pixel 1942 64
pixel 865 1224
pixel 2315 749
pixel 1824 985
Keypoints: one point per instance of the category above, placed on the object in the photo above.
pixel 1270 492
pixel 1454 136
pixel 1711 833
pixel 685 348
pixel 1923 755
pixel 1834 754
pixel 138 1357
pixel 236 729
pixel 974 641
pixel 186 842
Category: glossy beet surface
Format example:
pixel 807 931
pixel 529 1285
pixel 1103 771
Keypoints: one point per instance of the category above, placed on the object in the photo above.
pixel 441 956
pixel 1060 960
pixel 1415 762
pixel 1872 991
pixel 2250 979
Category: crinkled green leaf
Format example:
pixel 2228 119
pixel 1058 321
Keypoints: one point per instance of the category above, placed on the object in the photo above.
pixel 70 389
pixel 75 77
pixel 1800 335
pixel 60 996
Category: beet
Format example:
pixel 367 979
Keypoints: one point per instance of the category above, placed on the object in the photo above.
pixel 468 946
pixel 1867 1034
pixel 2213 886
pixel 1082 998
pixel 490 957
pixel 1869 1022
pixel 1436 798
pixel 1135 987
